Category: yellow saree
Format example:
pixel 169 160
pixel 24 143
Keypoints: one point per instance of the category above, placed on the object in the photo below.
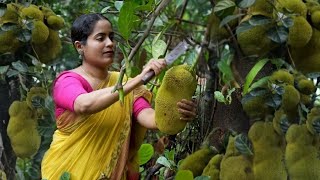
pixel 91 146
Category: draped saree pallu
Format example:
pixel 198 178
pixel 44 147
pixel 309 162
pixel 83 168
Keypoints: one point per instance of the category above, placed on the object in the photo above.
pixel 92 146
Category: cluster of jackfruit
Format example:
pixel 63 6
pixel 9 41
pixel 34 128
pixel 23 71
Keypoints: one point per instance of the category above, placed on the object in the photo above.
pixel 197 161
pixel 44 36
pixel 178 83
pixel 22 130
pixel 303 36
pixel 268 150
pixel 213 167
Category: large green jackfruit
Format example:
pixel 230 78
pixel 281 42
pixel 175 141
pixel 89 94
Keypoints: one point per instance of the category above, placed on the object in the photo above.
pixel 313 119
pixel 8 42
pixel 290 98
pixel 302 156
pixel 282 76
pixel 297 7
pixel 11 14
pixel 178 83
pixel 235 165
pixel 55 22
pixel 22 130
pixel 300 33
pixel 213 167
pixel 258 102
pixel 315 19
pixel 32 12
pixel 197 161
pixel 268 152
pixel 35 92
pixel 40 32
pixel 262 7
pixel 305 85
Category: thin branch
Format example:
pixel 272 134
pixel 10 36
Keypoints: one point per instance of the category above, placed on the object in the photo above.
pixel 153 170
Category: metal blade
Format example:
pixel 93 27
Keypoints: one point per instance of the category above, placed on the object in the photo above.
pixel 176 52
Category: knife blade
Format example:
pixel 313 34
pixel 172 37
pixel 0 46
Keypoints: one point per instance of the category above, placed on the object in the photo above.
pixel 169 58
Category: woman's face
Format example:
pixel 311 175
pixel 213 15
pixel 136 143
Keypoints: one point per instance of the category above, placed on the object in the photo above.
pixel 98 50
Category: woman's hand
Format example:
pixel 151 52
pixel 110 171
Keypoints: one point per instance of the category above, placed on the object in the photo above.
pixel 187 109
pixel 156 65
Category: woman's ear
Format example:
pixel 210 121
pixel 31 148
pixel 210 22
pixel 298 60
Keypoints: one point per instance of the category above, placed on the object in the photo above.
pixel 78 46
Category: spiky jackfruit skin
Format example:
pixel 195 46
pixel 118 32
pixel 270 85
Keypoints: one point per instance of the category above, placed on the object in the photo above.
pixel 297 7
pixel 306 86
pixel 55 22
pixel 3 175
pixel 300 33
pixel 262 7
pixel 313 117
pixel 50 49
pixel 251 106
pixel 32 12
pixel 290 98
pixel 22 130
pixel 12 14
pixel 302 156
pixel 306 59
pixel 315 19
pixel 216 33
pixel 213 167
pixel 268 151
pixel 40 32
pixel 178 83
pixel 35 92
pixel 197 161
pixel 235 165
pixel 278 115
pixel 255 41
pixel 282 76
pixel 8 42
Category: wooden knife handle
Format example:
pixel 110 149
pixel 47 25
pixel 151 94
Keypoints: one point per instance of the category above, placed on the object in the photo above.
pixel 146 78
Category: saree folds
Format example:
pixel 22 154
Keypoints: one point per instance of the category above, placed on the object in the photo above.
pixel 92 146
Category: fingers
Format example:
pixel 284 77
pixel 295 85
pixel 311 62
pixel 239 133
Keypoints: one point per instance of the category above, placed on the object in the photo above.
pixel 187 109
pixel 156 65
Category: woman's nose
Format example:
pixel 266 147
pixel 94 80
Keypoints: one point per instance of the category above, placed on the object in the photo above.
pixel 109 42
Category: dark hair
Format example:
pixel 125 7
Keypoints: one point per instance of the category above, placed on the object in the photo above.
pixel 83 26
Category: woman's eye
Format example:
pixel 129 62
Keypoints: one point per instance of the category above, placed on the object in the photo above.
pixel 100 39
pixel 111 36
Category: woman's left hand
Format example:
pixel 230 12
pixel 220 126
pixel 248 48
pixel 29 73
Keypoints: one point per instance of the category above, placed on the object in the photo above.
pixel 187 109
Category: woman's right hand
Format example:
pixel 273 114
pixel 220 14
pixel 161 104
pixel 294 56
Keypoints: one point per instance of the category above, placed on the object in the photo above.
pixel 156 65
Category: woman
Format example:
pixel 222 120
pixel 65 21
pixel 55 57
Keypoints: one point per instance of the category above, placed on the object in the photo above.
pixel 93 135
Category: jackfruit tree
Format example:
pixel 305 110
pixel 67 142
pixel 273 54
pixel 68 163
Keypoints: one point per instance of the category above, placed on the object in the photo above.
pixel 252 67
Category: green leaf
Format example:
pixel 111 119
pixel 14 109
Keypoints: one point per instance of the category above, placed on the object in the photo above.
pixel 284 123
pixel 278 34
pixel 105 9
pixel 3 8
pixel 259 83
pixel 229 18
pixel 245 3
pixel 145 153
pixel 316 125
pixel 65 176
pixel 12 72
pixel 118 5
pixel 253 73
pixel 184 175
pixel 127 18
pixel 202 178
pixel 158 49
pixel 24 35
pixel 243 145
pixel 164 161
pixel 146 7
pixel 9 26
pixel 219 97
pixel 20 66
pixel 30 25
pixel 274 101
pixel 3 69
pixel 224 65
pixel 258 20
pixel 287 22
pixel 244 26
pixel 223 5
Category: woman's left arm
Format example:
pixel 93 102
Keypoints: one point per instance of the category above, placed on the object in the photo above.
pixel 186 108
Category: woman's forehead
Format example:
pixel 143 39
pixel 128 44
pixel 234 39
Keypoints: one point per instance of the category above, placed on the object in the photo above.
pixel 102 26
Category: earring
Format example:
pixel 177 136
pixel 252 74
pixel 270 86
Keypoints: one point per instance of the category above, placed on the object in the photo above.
pixel 80 54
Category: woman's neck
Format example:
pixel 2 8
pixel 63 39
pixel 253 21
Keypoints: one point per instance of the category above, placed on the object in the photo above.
pixel 94 72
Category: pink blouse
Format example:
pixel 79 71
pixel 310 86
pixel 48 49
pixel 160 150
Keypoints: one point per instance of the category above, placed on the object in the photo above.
pixel 69 85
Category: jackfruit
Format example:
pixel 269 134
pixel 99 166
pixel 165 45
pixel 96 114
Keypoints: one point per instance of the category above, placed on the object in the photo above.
pixel 213 167
pixel 40 32
pixel 50 49
pixel 235 165
pixel 301 156
pixel 278 116
pixel 46 11
pixel 255 41
pixel 297 7
pixel 290 98
pixel 178 83
pixel 8 42
pixel 268 151
pixel 216 33
pixel 3 175
pixel 55 22
pixel 306 86
pixel 312 5
pixel 282 76
pixel 261 7
pixel 32 12
pixel 305 99
pixel 306 59
pixel 312 118
pixel 35 92
pixel 22 130
pixel 197 161
pixel 300 33
pixel 315 19
pixel 11 14
pixel 258 102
